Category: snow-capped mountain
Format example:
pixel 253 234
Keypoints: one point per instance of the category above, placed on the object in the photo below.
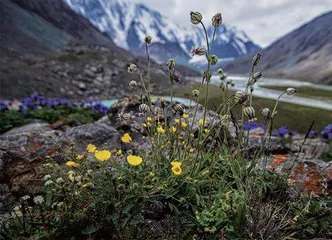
pixel 128 23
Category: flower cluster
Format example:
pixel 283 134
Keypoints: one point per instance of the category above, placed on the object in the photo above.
pixel 327 133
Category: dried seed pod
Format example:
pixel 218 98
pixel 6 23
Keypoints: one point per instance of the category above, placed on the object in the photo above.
pixel 256 59
pixel 143 108
pixel 207 76
pixel 220 71
pixel 255 77
pixel 217 20
pixel 163 103
pixel 197 51
pixel 175 77
pixel 240 97
pixel 291 91
pixel 223 76
pixel 250 113
pixel 195 17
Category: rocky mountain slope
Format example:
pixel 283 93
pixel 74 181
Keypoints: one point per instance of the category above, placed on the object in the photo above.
pixel 128 23
pixel 48 48
pixel 305 54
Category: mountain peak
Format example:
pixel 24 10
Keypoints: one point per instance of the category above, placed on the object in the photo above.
pixel 128 23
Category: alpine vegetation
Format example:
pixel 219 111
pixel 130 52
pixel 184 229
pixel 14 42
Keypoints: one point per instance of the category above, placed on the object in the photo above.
pixel 196 177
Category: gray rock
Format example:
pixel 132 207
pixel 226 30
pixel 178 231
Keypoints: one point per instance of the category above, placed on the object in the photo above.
pixel 29 128
pixel 88 73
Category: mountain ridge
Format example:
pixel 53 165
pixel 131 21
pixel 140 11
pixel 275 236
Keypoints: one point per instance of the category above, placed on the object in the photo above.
pixel 304 53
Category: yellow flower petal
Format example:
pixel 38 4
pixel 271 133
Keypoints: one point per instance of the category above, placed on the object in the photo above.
pixel 177 121
pixel 201 122
pixel 126 138
pixel 185 116
pixel 119 152
pixel 79 156
pixel 134 160
pixel 103 155
pixel 71 164
pixel 176 164
pixel 91 148
pixel 176 170
pixel 160 130
pixel 184 125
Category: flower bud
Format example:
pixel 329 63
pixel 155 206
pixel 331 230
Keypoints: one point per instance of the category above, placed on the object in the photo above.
pixel 217 20
pixel 223 76
pixel 143 108
pixel 195 93
pixel 132 68
pixel 266 112
pixel 175 77
pixel 240 97
pixel 250 112
pixel 163 102
pixel 195 17
pixel 148 39
pixel 179 108
pixel 291 91
pixel 255 77
pixel 220 71
pixel 256 59
pixel 133 84
pixel 170 64
pixel 197 51
pixel 213 59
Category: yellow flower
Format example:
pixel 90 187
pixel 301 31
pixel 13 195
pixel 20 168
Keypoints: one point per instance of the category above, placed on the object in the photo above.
pixel 71 177
pixel 144 125
pixel 71 164
pixel 103 155
pixel 87 185
pixel 151 174
pixel 192 135
pixel 177 121
pixel 79 156
pixel 176 170
pixel 184 125
pixel 119 152
pixel 176 164
pixel 206 130
pixel 201 122
pixel 191 150
pixel 185 116
pixel 149 124
pixel 172 129
pixel 296 218
pixel 126 138
pixel 134 160
pixel 160 130
pixel 148 119
pixel 91 148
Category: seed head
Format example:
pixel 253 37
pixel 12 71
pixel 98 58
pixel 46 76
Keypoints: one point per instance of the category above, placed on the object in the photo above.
pixel 195 17
pixel 195 93
pixel 291 91
pixel 240 97
pixel 133 84
pixel 213 59
pixel 250 112
pixel 197 51
pixel 223 76
pixel 179 108
pixel 256 59
pixel 217 20
pixel 170 64
pixel 132 68
pixel 148 39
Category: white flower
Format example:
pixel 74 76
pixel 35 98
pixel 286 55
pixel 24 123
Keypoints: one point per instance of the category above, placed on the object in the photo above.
pixel 38 200
pixel 59 180
pixel 47 177
pixel 48 183
pixel 26 197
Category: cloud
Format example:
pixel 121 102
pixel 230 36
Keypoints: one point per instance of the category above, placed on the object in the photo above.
pixel 264 21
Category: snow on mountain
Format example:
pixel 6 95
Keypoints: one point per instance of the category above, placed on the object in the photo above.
pixel 128 23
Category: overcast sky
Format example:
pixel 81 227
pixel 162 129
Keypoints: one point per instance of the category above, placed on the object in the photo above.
pixel 263 20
